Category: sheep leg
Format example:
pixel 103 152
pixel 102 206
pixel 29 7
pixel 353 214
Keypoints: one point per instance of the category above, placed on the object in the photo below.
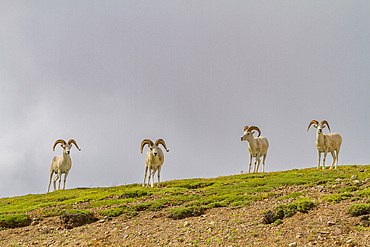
pixel 55 180
pixel 263 163
pixel 257 164
pixel 60 178
pixel 65 178
pixel 318 165
pixel 150 174
pixel 51 176
pixel 323 160
pixel 146 170
pixel 337 155
pixel 334 158
pixel 159 176
pixel 152 178
pixel 250 163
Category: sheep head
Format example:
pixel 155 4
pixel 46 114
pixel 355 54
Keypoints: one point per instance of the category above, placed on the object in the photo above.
pixel 319 126
pixel 248 132
pixel 66 146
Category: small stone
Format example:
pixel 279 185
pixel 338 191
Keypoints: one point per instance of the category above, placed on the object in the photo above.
pixel 125 236
pixel 354 177
pixel 292 245
pixel 101 221
pixel 337 232
pixel 356 181
pixel 331 223
pixel 298 236
pixel 349 241
pixel 367 180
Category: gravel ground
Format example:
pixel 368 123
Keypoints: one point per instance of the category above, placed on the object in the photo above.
pixel 327 224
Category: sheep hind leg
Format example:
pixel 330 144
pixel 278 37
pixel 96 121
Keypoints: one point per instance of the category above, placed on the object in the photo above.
pixel 263 163
pixel 337 155
pixel 51 176
pixel 257 164
pixel 334 159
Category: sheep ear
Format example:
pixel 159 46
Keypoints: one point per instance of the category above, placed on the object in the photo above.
pixel 253 132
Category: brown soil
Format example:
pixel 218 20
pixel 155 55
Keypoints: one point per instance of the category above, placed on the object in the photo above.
pixel 326 225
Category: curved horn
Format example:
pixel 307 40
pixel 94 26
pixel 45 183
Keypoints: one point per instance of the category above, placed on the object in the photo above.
pixel 254 128
pixel 245 128
pixel 74 142
pixel 146 141
pixel 327 124
pixel 160 141
pixel 312 122
pixel 59 141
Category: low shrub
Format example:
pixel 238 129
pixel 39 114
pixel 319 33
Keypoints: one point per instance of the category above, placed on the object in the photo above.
pixel 184 212
pixel 282 211
pixel 73 218
pixel 359 209
pixel 335 198
pixel 14 220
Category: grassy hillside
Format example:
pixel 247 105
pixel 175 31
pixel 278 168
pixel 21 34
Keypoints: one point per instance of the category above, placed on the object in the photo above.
pixel 191 197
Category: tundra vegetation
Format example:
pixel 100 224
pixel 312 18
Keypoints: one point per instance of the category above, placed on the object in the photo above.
pixel 181 199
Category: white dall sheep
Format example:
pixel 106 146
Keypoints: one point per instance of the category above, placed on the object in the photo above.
pixel 154 159
pixel 257 147
pixel 62 163
pixel 326 142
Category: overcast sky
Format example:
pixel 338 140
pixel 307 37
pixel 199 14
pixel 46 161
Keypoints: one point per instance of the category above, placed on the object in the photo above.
pixel 112 73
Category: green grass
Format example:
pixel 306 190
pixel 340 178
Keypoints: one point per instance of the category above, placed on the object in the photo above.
pixel 190 197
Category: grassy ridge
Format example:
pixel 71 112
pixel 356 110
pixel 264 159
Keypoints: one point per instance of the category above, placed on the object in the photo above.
pixel 190 197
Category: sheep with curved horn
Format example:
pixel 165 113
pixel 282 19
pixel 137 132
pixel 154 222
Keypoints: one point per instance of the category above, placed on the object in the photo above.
pixel 326 143
pixel 62 163
pixel 257 147
pixel 154 159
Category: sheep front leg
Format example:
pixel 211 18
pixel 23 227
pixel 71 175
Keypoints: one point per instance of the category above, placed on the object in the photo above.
pixel 152 178
pixel 323 160
pixel 250 163
pixel 51 176
pixel 146 170
pixel 256 163
pixel 65 179
pixel 60 178
pixel 318 164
